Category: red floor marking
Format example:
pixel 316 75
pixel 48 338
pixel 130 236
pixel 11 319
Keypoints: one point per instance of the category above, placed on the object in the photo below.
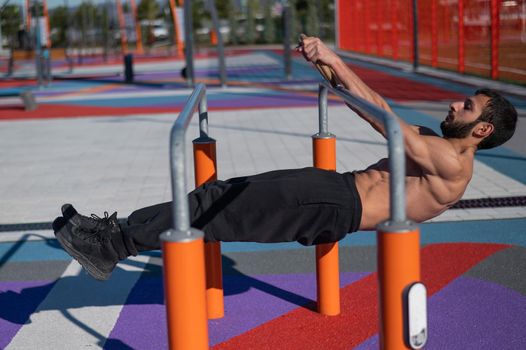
pixel 305 329
pixel 48 111
pixel 398 88
pixel 51 111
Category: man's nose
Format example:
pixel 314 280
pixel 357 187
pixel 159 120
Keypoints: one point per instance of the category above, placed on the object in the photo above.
pixel 454 106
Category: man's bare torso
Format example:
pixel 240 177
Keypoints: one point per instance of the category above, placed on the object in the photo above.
pixel 426 195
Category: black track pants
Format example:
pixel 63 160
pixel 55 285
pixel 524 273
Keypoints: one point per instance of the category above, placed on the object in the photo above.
pixel 307 205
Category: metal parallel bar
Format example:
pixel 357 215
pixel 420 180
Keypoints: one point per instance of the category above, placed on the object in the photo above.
pixel 189 43
pixel 323 113
pixel 181 219
pixel 287 28
pixel 220 45
pixel 203 117
pixel 395 145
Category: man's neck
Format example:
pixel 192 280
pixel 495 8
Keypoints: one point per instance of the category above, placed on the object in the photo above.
pixel 463 146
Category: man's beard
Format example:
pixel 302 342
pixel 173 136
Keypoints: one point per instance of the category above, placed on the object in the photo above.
pixel 457 130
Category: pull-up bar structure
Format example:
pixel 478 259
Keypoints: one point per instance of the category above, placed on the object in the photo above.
pixel 403 311
pixel 403 319
pixel 183 247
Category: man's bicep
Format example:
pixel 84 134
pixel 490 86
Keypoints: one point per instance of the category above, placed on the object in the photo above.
pixel 419 148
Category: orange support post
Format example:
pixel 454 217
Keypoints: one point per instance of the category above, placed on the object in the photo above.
pixel 213 37
pixel 184 285
pixel 398 269
pixel 138 46
pixel 206 171
pixel 122 27
pixel 177 39
pixel 327 259
pixel 46 19
pixel 28 17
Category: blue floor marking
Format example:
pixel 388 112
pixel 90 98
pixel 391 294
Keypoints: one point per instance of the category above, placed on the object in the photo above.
pixel 23 251
pixel 504 231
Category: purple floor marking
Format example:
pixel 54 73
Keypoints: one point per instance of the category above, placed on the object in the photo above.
pixel 19 300
pixel 249 302
pixel 473 314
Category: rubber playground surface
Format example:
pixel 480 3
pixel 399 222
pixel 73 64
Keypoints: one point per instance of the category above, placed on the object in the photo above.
pixel 102 144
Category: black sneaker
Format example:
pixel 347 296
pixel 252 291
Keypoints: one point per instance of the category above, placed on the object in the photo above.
pixel 89 241
pixel 94 222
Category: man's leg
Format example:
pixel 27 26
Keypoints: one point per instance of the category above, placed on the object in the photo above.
pixel 145 225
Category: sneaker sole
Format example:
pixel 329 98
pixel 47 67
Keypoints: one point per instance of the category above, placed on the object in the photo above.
pixel 92 270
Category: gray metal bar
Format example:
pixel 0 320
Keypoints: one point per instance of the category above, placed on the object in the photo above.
pixel 323 110
pixel 180 208
pixel 220 45
pixel 287 28
pixel 203 118
pixel 189 43
pixel 395 145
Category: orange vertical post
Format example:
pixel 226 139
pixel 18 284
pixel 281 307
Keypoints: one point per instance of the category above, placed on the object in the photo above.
pixel 138 48
pixel 122 27
pixel 213 37
pixel 327 258
pixel 398 269
pixel 46 19
pixel 177 39
pixel 28 17
pixel 184 285
pixel 206 171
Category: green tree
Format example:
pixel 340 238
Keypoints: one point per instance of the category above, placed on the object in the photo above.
pixel 148 10
pixel 10 20
pixel 312 23
pixel 233 24
pixel 59 23
pixel 269 35
pixel 224 8
pixel 250 32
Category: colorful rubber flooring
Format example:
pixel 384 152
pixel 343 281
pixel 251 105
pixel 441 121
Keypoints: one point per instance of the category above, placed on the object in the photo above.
pixel 475 271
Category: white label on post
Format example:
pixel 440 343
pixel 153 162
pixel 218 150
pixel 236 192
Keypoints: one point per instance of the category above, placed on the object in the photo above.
pixel 417 315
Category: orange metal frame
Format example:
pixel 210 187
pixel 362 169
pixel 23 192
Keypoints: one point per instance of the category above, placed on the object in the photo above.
pixel 327 255
pixel 205 166
pixel 398 269
pixel 184 284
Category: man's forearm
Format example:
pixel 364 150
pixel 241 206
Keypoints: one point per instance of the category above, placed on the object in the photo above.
pixel 354 84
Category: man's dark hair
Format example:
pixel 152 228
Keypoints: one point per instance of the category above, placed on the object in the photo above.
pixel 499 112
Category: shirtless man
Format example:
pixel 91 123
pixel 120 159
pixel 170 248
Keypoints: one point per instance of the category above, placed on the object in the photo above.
pixel 309 205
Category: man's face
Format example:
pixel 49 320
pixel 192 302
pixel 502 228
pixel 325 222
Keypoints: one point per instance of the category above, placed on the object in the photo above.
pixel 463 116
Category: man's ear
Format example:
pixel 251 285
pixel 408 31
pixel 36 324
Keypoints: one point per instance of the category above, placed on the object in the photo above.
pixel 483 129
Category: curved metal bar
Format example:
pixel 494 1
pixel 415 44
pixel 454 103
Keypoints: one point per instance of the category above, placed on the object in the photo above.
pixel 180 208
pixel 322 109
pixel 395 145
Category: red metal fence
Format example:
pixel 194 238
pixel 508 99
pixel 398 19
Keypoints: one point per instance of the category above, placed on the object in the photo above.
pixel 480 37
